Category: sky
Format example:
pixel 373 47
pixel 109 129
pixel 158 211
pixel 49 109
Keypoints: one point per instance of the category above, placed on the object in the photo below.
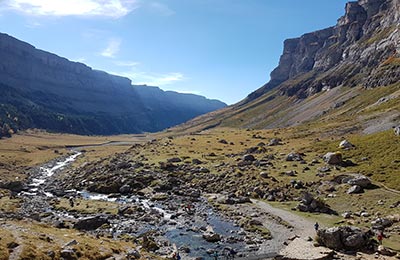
pixel 221 49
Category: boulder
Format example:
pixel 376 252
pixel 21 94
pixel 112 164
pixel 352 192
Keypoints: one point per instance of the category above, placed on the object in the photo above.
pixel 386 251
pixel 264 175
pixel 196 161
pixel 16 186
pixel 125 189
pixel 333 158
pixel 293 157
pixel 344 238
pixel 133 254
pixel 68 254
pixel 346 215
pixel 309 204
pixel 345 144
pixel 149 244
pixel 355 189
pixel 222 141
pixel 381 223
pixel 248 158
pixel 331 238
pixel 174 160
pixel 360 180
pixel 275 141
pixel 397 130
pixel 91 223
pixel 212 237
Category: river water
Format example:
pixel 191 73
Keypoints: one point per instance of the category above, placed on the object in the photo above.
pixel 183 232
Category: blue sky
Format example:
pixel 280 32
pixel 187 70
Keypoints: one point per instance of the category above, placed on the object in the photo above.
pixel 221 49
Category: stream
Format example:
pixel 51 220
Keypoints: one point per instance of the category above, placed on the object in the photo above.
pixel 175 227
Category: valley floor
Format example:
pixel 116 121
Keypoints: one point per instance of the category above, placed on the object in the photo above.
pixel 169 172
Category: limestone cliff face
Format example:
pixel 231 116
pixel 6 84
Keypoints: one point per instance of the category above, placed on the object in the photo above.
pixel 42 90
pixel 35 71
pixel 362 49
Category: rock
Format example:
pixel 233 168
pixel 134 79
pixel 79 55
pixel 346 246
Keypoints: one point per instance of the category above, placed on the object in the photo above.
pixel 223 141
pixel 346 215
pixel 294 157
pixel 68 254
pixel 185 249
pixel 333 158
pixel 91 223
pixel 196 161
pixel 255 222
pixel 133 254
pixel 70 243
pixel 291 173
pixel 275 141
pixel 12 245
pixel 264 175
pixel 359 180
pixel 364 214
pixel 125 189
pixel 385 251
pixel 355 189
pixel 248 158
pixel 174 160
pixel 345 144
pixel 343 238
pixel 309 204
pixel 381 223
pixel 211 237
pixel 324 169
pixel 15 186
pixel 149 244
pixel 397 130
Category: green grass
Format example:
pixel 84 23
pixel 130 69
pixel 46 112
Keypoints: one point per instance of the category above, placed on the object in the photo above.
pixel 377 156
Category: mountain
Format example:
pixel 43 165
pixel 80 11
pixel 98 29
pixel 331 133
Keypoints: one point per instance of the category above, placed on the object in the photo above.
pixel 42 90
pixel 348 72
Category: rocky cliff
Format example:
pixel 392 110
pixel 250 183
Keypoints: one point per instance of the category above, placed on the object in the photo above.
pixel 348 74
pixel 43 90
pixel 362 49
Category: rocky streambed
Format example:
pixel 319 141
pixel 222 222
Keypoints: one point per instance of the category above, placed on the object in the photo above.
pixel 162 222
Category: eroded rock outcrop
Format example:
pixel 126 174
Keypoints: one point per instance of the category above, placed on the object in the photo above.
pixel 361 49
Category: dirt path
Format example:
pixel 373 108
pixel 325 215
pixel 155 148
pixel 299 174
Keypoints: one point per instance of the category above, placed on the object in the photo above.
pixel 302 227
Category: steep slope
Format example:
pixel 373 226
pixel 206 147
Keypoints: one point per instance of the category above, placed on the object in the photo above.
pixel 326 74
pixel 46 91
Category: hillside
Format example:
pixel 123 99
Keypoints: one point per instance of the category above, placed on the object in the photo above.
pixel 43 90
pixel 347 73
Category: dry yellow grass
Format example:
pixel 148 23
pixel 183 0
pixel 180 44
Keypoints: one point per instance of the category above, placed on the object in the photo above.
pixel 34 147
pixel 36 240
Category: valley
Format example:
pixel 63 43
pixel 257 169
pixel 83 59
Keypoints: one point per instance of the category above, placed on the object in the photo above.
pixel 147 181
pixel 306 167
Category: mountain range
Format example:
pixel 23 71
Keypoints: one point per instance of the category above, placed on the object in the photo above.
pixel 42 90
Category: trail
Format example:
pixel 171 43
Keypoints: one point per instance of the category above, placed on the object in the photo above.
pixel 302 226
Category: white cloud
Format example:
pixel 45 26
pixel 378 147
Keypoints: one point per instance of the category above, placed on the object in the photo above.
pixel 126 63
pixel 112 48
pixel 159 80
pixel 33 24
pixel 162 9
pixel 152 79
pixel 105 8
